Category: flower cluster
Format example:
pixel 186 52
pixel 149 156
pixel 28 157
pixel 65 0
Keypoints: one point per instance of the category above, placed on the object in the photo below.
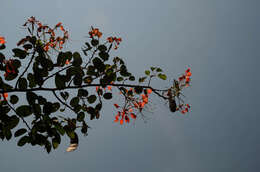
pixel 133 103
pixel 185 78
pixel 114 40
pixel 183 108
pixel 49 35
pixel 9 68
pixel 2 40
pixel 95 32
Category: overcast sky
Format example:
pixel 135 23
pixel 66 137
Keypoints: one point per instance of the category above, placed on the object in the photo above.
pixel 218 39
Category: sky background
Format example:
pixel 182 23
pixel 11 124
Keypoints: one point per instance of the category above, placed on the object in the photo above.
pixel 218 39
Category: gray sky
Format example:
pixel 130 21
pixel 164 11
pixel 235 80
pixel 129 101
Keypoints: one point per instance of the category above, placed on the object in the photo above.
pixel 218 39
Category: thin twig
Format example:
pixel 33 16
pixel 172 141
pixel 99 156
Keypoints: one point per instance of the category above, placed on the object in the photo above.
pixel 19 115
pixel 26 68
pixel 53 91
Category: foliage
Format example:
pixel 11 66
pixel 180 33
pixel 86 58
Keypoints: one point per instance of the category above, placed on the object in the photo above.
pixel 39 59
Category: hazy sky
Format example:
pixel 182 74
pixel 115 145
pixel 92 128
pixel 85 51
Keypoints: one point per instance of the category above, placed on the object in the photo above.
pixel 218 39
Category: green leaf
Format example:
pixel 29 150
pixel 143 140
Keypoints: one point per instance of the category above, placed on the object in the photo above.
pixel 14 99
pixel 131 78
pixel 102 48
pixel 20 132
pixel 22 83
pixel 107 96
pixel 64 95
pixel 92 99
pixel 55 143
pixel 82 93
pixel 13 122
pixel 19 53
pixel 153 68
pixel 103 55
pixel 94 42
pixel 8 134
pixel 27 46
pixel 59 81
pixel 158 70
pixel 147 72
pixel 60 129
pixel 23 141
pixel 24 110
pixel 119 79
pixel 77 60
pixel 16 63
pixel 31 97
pixel 162 76
pixel 74 101
pixel 81 116
pixel 142 79
pixel 48 146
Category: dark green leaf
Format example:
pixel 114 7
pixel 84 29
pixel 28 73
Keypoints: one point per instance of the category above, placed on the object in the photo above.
pixel 131 78
pixel 14 99
pixel 19 53
pixel 142 79
pixel 74 101
pixel 107 96
pixel 24 110
pixel 31 97
pixel 23 140
pixel 59 81
pixel 92 99
pixel 22 83
pixel 102 48
pixel 20 132
pixel 138 90
pixel 77 61
pixel 48 146
pixel 64 95
pixel 94 42
pixel 81 116
pixel 119 79
pixel 82 93
pixel 13 122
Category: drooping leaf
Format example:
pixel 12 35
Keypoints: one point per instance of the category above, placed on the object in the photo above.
pixel 23 141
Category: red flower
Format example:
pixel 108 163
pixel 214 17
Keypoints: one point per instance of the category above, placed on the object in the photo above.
pixel 2 40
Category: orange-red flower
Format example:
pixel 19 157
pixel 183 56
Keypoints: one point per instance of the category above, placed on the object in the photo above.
pixel 95 32
pixel 2 40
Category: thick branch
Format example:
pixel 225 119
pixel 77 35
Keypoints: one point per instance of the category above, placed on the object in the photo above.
pixel 76 87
